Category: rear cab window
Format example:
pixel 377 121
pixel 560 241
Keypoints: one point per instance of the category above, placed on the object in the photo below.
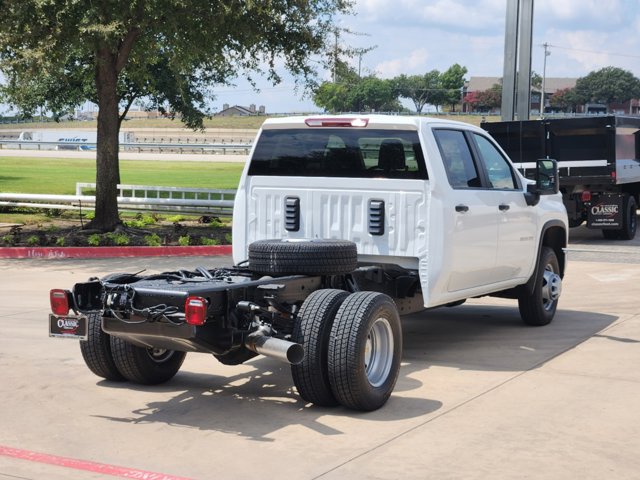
pixel 338 152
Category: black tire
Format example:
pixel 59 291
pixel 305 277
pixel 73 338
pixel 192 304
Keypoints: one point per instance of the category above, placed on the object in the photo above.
pixel 96 350
pixel 312 330
pixel 575 222
pixel 630 221
pixel 609 234
pixel 365 350
pixel 539 307
pixel 145 366
pixel 303 257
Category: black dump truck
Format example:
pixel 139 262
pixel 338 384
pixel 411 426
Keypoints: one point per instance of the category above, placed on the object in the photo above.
pixel 598 160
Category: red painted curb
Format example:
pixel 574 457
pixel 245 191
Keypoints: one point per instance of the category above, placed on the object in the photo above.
pixel 109 252
pixel 93 467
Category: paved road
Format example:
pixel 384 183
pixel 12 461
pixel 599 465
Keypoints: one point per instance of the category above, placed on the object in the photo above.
pixel 479 395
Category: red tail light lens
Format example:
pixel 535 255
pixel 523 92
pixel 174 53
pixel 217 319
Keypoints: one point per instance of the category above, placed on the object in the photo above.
pixel 337 122
pixel 59 300
pixel 586 196
pixel 195 309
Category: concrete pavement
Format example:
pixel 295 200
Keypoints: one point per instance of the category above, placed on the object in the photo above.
pixel 479 395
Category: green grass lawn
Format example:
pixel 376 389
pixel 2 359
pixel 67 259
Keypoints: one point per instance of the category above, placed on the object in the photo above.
pixel 59 175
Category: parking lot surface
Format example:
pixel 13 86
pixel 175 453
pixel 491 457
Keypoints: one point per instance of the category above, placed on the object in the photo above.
pixel 479 395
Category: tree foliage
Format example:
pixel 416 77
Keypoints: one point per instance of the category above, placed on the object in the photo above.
pixel 485 100
pixel 57 54
pixel 564 100
pixel 420 89
pixel 607 85
pixel 452 81
pixel 352 93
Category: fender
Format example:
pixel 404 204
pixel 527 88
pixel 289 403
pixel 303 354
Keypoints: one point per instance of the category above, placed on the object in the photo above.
pixel 554 240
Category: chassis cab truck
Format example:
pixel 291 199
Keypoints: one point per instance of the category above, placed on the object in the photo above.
pixel 340 226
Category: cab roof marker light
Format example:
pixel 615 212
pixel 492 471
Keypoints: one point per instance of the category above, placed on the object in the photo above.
pixel 336 122
pixel 195 310
pixel 59 300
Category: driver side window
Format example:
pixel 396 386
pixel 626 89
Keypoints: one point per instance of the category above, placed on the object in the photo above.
pixel 499 171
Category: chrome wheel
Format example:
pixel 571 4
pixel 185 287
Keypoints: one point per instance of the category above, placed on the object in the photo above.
pixel 378 353
pixel 551 288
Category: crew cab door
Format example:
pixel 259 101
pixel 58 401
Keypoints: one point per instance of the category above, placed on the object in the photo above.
pixel 493 233
pixel 517 222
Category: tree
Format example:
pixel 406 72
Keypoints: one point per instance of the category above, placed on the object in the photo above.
pixel 375 94
pixel 607 85
pixel 564 100
pixel 452 81
pixel 56 55
pixel 485 100
pixel 420 89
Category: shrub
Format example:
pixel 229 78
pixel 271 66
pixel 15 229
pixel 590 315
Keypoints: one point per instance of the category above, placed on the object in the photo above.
pixel 184 241
pixel 209 241
pixel 228 238
pixel 33 240
pixel 176 218
pixel 9 239
pixel 153 240
pixel 141 221
pixel 60 241
pixel 118 239
pixel 94 240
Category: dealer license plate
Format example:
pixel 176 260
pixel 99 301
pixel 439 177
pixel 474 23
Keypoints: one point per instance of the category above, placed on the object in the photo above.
pixel 68 326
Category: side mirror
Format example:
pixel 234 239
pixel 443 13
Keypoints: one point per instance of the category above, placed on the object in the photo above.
pixel 547 181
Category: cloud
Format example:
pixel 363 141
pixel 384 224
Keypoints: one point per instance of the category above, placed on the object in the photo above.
pixel 451 14
pixel 413 63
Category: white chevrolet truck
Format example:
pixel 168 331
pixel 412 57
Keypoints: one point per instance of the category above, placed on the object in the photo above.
pixel 340 226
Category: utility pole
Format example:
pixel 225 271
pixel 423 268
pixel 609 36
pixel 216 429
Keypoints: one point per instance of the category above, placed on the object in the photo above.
pixel 360 52
pixel 335 56
pixel 516 79
pixel 544 76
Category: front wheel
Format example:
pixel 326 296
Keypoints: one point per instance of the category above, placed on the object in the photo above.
pixel 539 308
pixel 146 366
pixel 365 350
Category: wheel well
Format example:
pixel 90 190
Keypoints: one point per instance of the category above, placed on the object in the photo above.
pixel 555 237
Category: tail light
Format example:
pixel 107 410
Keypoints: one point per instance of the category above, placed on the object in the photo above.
pixel 195 309
pixel 336 122
pixel 586 196
pixel 59 300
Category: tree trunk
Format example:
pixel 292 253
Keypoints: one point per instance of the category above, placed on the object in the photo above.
pixel 107 164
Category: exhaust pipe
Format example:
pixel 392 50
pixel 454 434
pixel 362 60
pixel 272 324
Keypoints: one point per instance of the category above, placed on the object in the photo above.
pixel 275 348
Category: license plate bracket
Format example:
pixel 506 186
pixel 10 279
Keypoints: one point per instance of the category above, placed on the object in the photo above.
pixel 68 326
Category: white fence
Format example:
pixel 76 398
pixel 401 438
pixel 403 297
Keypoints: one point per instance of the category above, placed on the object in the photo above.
pixel 197 201
pixel 223 148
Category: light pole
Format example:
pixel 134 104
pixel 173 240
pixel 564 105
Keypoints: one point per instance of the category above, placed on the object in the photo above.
pixel 544 76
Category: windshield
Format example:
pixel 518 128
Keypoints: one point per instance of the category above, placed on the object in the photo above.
pixel 338 152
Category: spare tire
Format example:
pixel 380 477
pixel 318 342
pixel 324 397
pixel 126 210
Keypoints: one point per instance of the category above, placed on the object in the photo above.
pixel 303 257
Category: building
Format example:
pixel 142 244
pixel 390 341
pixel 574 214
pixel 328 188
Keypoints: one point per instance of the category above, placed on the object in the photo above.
pixel 239 111
pixel 552 85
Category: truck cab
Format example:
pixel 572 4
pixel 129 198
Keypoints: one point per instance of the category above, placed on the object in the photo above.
pixel 438 198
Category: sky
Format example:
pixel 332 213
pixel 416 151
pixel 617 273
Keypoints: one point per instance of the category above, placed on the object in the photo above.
pixel 417 36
